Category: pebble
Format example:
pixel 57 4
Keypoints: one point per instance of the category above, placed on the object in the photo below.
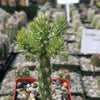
pixel 73 48
pixel 85 64
pixel 31 92
pixel 92 88
pixel 65 85
pixel 71 60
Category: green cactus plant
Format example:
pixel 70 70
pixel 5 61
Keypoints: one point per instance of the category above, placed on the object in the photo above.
pixel 95 60
pixel 22 73
pixel 45 41
pixel 72 8
pixel 95 20
pixel 59 14
pixel 10 98
pixel 98 25
pixel 74 12
pixel 82 7
pixel 76 24
pixel 90 15
pixel 4 47
pixel 63 56
pixel 79 43
pixel 11 31
pixel 76 16
pixel 47 4
pixel 79 35
pixel 98 4
pixel 67 77
pixel 60 75
pixel 22 19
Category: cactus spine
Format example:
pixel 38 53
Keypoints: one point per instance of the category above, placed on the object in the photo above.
pixel 4 47
pixel 44 42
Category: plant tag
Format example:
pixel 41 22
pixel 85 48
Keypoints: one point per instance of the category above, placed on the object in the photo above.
pixel 90 41
pixel 27 3
pixel 67 1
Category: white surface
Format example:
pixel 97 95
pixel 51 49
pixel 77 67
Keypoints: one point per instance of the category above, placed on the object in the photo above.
pixel 90 41
pixel 67 1
pixel 27 3
pixel 68 12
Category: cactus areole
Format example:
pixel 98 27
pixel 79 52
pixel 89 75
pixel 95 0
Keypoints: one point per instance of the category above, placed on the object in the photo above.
pixel 45 41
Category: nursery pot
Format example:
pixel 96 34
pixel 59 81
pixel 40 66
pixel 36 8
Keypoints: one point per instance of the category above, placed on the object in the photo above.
pixel 33 80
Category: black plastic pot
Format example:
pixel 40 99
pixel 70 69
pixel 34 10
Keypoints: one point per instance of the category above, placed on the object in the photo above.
pixel 7 64
pixel 69 67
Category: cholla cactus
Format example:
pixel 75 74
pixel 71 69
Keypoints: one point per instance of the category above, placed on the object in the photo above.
pixel 95 20
pixel 76 24
pixel 45 41
pixel 98 25
pixel 4 47
pixel 90 15
pixel 22 73
pixel 95 60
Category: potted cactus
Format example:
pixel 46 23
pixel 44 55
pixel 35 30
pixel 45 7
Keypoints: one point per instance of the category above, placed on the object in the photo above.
pixel 22 72
pixel 76 17
pixel 90 15
pixel 76 24
pixel 95 61
pixel 4 47
pixel 45 41
pixel 98 25
pixel 95 20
